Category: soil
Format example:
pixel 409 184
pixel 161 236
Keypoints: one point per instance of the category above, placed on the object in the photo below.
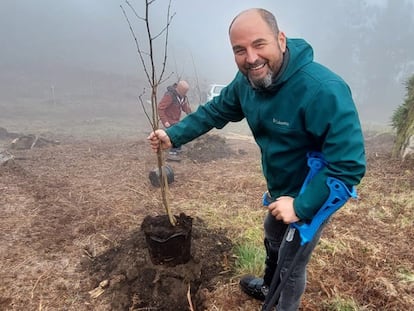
pixel 66 233
pixel 168 240
pixel 71 217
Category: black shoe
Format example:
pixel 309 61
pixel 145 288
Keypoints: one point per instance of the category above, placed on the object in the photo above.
pixel 254 287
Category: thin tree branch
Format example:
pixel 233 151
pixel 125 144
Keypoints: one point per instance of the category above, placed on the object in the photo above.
pixel 153 126
pixel 134 11
pixel 166 40
pixel 139 51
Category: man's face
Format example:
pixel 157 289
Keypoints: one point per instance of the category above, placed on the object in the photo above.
pixel 257 51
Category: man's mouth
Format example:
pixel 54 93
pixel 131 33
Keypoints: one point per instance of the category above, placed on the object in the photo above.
pixel 257 67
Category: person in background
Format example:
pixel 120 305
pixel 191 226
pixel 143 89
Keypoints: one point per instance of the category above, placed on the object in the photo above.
pixel 170 107
pixel 293 106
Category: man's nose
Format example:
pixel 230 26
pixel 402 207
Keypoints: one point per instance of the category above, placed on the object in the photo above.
pixel 251 56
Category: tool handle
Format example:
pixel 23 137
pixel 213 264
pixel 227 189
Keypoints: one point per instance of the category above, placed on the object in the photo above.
pixel 316 162
pixel 338 196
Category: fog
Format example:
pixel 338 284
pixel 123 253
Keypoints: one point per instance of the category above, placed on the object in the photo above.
pixel 369 43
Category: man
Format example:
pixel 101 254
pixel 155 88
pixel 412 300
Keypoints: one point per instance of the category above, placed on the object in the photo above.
pixel 169 109
pixel 293 105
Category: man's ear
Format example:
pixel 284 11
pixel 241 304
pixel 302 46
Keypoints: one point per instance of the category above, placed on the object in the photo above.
pixel 281 38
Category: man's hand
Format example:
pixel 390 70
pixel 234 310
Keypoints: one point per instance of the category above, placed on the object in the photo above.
pixel 159 138
pixel 167 124
pixel 282 209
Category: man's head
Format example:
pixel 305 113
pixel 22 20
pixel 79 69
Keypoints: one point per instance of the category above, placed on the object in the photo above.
pixel 258 46
pixel 182 88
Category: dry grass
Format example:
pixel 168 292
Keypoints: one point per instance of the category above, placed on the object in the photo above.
pixel 100 191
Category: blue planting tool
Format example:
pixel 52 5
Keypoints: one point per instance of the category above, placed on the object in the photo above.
pixel 338 196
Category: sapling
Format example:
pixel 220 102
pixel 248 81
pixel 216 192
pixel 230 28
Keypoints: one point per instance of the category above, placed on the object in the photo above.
pixel 148 61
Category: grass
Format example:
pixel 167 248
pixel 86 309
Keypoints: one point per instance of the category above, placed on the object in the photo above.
pixel 332 247
pixel 405 275
pixel 249 252
pixel 250 259
pixel 340 304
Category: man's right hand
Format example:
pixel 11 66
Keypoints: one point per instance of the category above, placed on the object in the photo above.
pixel 159 138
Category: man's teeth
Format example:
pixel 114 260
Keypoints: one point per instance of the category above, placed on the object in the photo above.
pixel 257 67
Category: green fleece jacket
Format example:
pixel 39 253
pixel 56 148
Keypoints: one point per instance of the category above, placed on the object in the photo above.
pixel 307 108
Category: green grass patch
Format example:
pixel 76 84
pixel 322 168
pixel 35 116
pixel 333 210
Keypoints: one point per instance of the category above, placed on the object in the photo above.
pixel 250 252
pixel 250 259
pixel 405 275
pixel 340 304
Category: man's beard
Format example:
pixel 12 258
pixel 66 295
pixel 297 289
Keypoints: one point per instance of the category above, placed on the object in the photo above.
pixel 262 83
pixel 267 81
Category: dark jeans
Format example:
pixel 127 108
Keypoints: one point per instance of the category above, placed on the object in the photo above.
pixel 278 241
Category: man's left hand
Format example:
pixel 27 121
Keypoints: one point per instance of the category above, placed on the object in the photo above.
pixel 282 209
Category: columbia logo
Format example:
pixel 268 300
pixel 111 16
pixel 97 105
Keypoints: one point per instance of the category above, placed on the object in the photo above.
pixel 278 122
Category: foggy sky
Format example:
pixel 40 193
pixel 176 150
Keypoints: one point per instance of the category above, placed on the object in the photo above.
pixel 93 34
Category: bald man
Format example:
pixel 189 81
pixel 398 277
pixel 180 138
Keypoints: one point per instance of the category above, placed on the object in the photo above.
pixel 170 107
pixel 173 102
pixel 293 106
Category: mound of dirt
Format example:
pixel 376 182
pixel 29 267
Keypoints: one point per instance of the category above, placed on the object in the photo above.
pixel 135 283
pixel 208 147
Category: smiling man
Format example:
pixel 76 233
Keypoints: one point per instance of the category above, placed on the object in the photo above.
pixel 293 106
pixel 258 48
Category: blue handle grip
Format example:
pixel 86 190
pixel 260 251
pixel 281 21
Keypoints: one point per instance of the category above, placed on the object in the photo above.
pixel 338 196
pixel 316 162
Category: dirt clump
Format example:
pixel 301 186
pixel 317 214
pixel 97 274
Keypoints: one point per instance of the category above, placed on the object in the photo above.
pixel 208 147
pixel 136 283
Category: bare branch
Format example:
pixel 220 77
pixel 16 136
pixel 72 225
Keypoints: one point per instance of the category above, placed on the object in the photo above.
pixel 136 42
pixel 134 11
pixel 165 28
pixel 168 77
pixel 153 126
pixel 166 40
